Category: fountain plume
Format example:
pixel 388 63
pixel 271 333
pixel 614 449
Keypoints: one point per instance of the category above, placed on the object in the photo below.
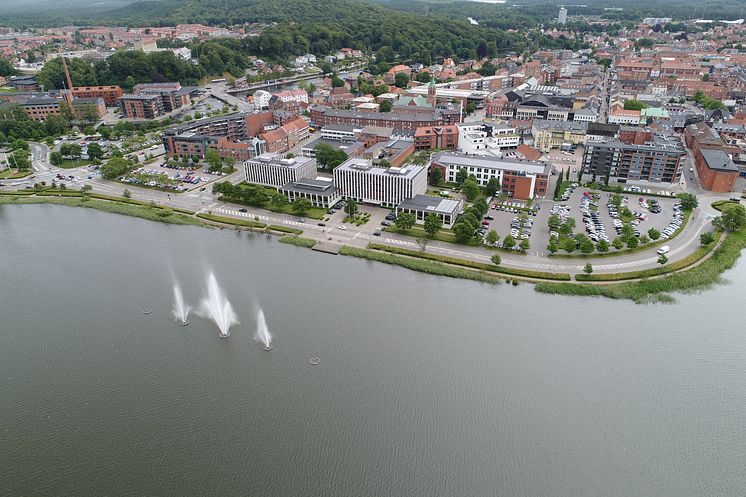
pixel 216 306
pixel 181 309
pixel 262 331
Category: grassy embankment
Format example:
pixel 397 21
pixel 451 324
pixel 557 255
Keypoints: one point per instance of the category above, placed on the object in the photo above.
pixel 298 241
pixel 422 265
pixel 103 203
pixel 470 265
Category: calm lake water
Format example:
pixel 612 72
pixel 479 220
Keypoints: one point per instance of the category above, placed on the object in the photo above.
pixel 427 387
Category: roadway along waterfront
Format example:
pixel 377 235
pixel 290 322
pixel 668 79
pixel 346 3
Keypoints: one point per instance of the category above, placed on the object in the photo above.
pixel 204 201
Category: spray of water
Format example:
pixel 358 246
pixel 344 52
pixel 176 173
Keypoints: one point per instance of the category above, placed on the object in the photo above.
pixel 262 332
pixel 181 310
pixel 216 306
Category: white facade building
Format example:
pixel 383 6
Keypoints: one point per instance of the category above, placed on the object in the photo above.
pixel 486 139
pixel 562 16
pixel 359 180
pixel 261 99
pixel 273 170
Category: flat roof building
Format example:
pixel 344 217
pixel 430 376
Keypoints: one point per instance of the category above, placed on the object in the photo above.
pixel 422 205
pixel 320 192
pixel 274 170
pixel 715 169
pixel 361 181
pixel 658 160
pixel 519 178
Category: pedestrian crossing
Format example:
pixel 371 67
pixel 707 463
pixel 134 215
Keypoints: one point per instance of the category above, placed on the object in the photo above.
pixel 242 214
pixel 400 242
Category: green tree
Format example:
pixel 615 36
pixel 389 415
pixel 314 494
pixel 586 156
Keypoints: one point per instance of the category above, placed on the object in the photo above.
pixel 213 159
pixel 301 206
pixel 328 157
pixel 634 105
pixel 733 218
pixel 688 201
pixel 632 242
pixel 569 245
pixel 567 227
pixel 278 202
pixel 350 207
pixel 654 234
pixel 492 186
pixel 602 246
pixel 586 246
pixel 492 237
pixel 588 268
pixel 115 167
pixel 470 189
pixel 86 188
pixel 436 177
pixel 618 243
pixel 385 106
pixel 706 238
pixel 404 221
pixel 525 245
pixel 662 259
pixel 126 193
pixel 496 259
pixel 401 80
pixel 509 242
pixel 554 222
pixel 644 239
pixel 463 232
pixel 461 176
pixel 553 246
pixel 433 224
pixel 95 151
pixel 55 158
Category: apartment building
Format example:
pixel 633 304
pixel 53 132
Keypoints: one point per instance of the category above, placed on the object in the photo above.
pixel 172 94
pixel 141 106
pixel 361 181
pixel 323 116
pixel 195 137
pixel 553 134
pixel 522 179
pixel 432 137
pixel 110 94
pixel 658 160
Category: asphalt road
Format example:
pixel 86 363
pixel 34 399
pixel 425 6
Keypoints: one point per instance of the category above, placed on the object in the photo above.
pixel 204 201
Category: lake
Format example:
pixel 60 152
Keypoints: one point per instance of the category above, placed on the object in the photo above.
pixel 427 386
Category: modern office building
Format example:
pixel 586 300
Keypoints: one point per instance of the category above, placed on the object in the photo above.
pixel 320 192
pixel 659 160
pixel 274 170
pixel 519 178
pixel 195 137
pixel 172 94
pixel 486 138
pixel 361 181
pixel 423 205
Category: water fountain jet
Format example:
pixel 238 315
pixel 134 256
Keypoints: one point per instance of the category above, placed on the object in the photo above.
pixel 180 310
pixel 216 306
pixel 262 332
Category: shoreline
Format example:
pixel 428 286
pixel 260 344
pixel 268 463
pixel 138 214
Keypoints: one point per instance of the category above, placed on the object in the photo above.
pixel 700 270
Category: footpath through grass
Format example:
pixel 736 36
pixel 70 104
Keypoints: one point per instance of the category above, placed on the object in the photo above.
pixel 471 264
pixel 656 290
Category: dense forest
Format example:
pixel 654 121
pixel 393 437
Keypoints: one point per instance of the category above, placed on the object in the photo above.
pixel 125 68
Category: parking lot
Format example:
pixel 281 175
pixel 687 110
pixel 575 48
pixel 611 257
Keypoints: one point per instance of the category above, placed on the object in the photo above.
pixel 595 215
pixel 512 217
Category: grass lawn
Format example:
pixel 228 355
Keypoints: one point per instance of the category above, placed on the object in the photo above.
pixel 9 174
pixel 71 163
pixel 313 212
pixel 444 235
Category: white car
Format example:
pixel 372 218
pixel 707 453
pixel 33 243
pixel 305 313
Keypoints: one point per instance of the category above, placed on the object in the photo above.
pixel 342 227
pixel 664 250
